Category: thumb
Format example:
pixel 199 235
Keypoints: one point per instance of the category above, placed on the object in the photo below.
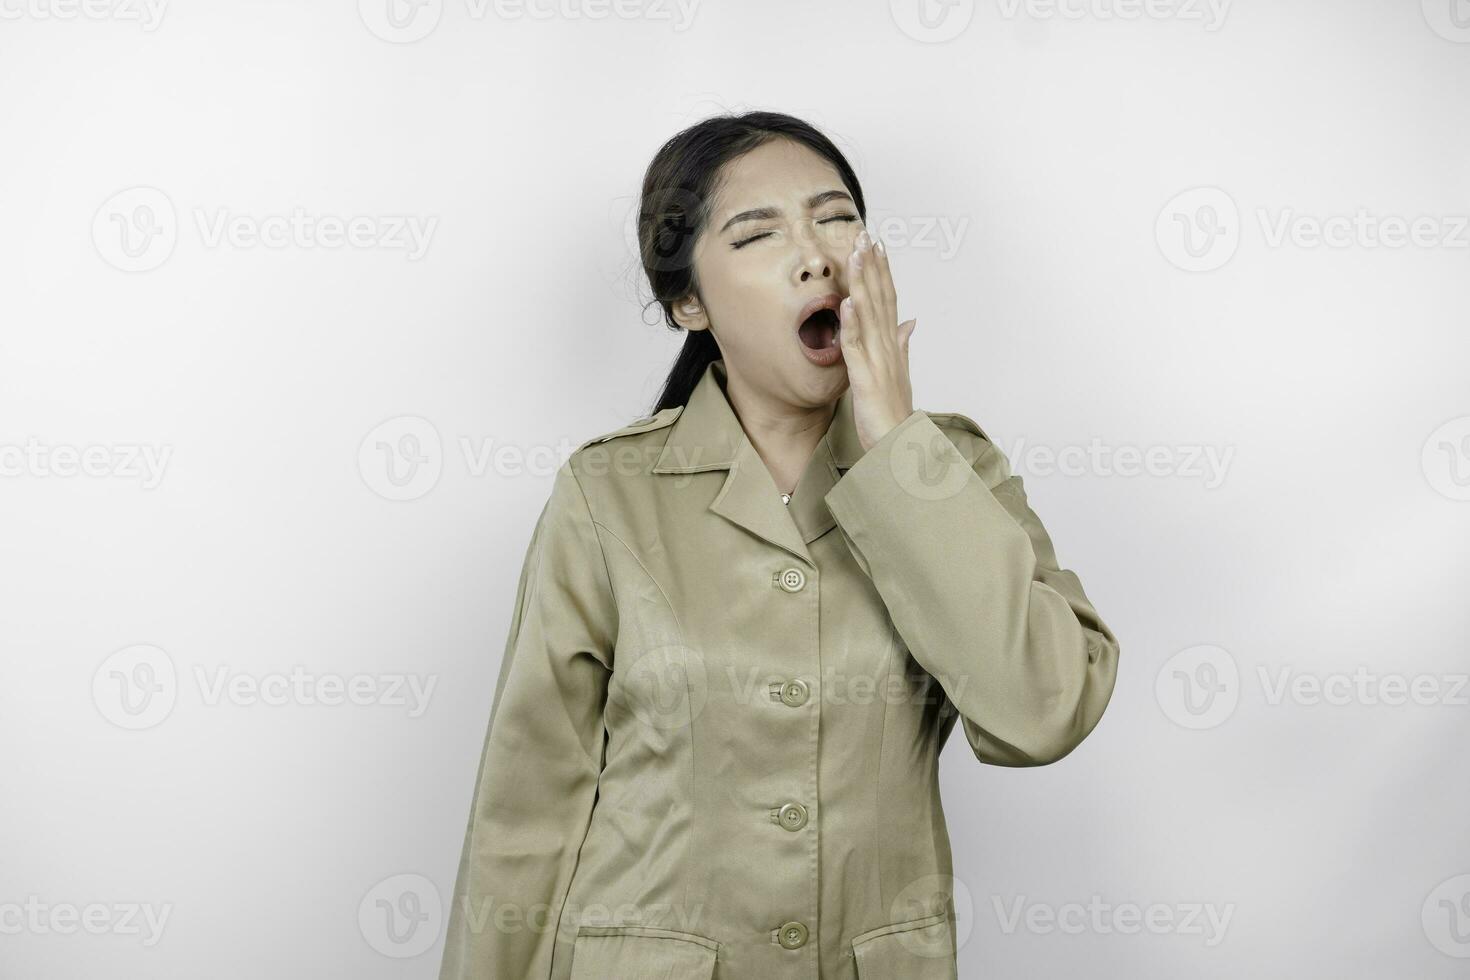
pixel 905 331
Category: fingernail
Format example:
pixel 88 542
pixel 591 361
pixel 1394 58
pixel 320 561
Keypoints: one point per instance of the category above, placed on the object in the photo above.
pixel 880 249
pixel 863 241
pixel 857 260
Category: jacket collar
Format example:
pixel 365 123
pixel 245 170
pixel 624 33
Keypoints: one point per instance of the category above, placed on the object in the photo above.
pixel 707 435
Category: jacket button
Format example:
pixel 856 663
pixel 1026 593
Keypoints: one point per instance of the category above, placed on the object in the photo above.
pixel 795 692
pixel 793 935
pixel 792 816
pixel 792 579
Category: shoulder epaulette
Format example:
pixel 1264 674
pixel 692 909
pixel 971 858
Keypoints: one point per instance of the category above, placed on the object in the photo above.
pixel 657 420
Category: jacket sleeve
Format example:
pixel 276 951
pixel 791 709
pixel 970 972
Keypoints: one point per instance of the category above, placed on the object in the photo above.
pixel 973 587
pixel 543 753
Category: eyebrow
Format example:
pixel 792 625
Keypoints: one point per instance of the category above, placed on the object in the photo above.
pixel 762 214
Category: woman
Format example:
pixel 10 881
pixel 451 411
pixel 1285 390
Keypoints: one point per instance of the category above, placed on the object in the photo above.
pixel 714 745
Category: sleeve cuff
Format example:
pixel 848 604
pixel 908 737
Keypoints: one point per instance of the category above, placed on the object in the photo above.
pixel 914 474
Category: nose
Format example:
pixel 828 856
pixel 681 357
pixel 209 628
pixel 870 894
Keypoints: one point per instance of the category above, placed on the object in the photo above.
pixel 821 257
pixel 818 261
pixel 818 268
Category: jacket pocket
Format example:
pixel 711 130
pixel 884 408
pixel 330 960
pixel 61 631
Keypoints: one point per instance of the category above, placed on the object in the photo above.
pixel 918 949
pixel 639 952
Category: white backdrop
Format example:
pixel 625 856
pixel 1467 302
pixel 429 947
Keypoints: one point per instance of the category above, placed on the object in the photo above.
pixel 1199 268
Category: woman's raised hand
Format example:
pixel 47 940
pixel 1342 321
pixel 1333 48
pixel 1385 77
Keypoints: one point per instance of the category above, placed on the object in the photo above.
pixel 875 346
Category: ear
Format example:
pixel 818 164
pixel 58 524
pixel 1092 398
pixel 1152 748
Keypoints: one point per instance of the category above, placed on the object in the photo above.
pixel 689 313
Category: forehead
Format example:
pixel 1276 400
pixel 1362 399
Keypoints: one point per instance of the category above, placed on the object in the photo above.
pixel 777 174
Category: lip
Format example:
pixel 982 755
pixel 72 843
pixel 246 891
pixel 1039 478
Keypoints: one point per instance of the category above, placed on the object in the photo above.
pixel 831 355
pixel 829 302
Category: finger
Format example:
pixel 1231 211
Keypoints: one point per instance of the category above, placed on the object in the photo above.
pixel 851 334
pixel 885 291
pixel 852 322
pixel 905 331
pixel 883 323
pixel 862 296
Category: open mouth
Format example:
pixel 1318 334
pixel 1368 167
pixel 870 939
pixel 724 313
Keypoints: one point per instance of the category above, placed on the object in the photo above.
pixel 820 326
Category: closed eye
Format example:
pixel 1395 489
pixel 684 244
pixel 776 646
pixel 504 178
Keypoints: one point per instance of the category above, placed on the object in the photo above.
pixel 840 217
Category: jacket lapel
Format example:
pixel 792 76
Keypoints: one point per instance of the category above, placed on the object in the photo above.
pixel 707 435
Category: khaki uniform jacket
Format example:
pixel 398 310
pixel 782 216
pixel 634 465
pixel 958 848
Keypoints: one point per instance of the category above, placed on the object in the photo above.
pixel 713 749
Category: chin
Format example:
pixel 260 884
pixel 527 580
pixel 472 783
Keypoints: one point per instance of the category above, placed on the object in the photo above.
pixel 822 385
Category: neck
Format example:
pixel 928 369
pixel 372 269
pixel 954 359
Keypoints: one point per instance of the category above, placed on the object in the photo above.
pixel 785 436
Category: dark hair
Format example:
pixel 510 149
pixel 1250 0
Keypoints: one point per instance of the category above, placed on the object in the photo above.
pixel 678 188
